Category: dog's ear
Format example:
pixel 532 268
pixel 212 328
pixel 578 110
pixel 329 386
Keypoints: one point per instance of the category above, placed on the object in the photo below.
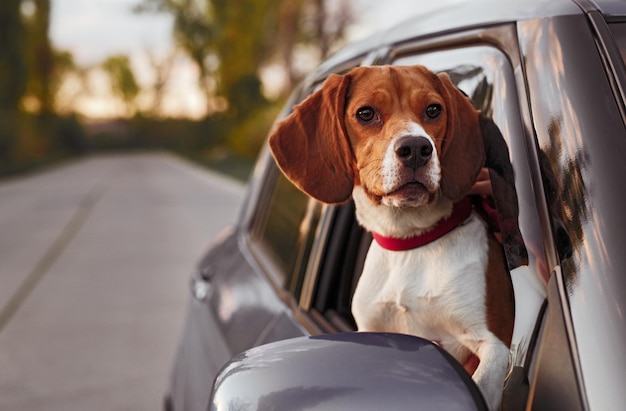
pixel 463 153
pixel 311 146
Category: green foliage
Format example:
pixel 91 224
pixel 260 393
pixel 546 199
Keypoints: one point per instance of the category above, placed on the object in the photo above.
pixel 244 32
pixel 13 66
pixel 31 137
pixel 40 57
pixel 8 134
pixel 247 136
pixel 245 97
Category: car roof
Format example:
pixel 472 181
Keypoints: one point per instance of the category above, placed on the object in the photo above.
pixel 465 15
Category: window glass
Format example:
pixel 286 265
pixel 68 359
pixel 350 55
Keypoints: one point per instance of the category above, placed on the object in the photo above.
pixel 285 231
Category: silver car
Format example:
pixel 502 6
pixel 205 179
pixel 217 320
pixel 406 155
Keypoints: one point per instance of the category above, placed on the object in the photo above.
pixel 269 323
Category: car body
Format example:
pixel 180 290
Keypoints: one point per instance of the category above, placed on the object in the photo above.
pixel 551 76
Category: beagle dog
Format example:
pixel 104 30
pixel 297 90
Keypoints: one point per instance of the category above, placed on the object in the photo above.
pixel 406 144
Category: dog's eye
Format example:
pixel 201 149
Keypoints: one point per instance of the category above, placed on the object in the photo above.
pixel 365 114
pixel 433 111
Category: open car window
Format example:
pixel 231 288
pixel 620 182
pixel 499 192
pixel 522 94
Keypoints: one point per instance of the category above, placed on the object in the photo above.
pixel 284 233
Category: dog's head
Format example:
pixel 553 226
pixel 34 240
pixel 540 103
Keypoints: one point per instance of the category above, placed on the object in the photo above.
pixel 404 134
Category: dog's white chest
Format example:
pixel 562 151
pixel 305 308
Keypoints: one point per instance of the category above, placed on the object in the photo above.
pixel 433 291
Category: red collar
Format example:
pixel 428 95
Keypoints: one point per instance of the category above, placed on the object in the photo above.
pixel 460 212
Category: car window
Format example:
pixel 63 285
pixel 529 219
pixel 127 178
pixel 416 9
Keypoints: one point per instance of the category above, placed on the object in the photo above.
pixel 284 230
pixel 285 227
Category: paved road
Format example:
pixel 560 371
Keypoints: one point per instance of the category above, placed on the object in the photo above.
pixel 95 258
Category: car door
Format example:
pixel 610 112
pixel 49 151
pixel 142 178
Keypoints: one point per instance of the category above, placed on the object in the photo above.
pixel 575 74
pixel 244 291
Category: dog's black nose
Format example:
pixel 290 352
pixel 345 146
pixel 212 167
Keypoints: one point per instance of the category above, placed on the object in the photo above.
pixel 413 151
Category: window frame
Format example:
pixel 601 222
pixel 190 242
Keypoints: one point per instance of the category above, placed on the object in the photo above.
pixel 265 247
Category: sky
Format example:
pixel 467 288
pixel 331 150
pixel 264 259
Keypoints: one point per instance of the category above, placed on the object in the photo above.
pixel 95 29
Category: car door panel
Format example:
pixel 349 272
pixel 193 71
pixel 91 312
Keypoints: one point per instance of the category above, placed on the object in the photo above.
pixel 554 385
pixel 238 309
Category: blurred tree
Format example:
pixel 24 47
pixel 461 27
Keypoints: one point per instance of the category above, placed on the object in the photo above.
pixel 243 33
pixel 232 40
pixel 319 25
pixel 12 72
pixel 48 68
pixel 192 31
pixel 12 58
pixel 65 71
pixel 31 72
pixel 41 58
pixel 123 82
pixel 162 70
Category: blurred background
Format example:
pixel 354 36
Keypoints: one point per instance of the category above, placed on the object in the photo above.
pixel 203 78
pixel 95 255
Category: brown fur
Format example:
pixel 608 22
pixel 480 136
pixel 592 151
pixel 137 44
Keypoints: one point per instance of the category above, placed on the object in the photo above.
pixel 312 148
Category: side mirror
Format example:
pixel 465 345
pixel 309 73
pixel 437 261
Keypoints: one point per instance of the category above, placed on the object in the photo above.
pixel 345 371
